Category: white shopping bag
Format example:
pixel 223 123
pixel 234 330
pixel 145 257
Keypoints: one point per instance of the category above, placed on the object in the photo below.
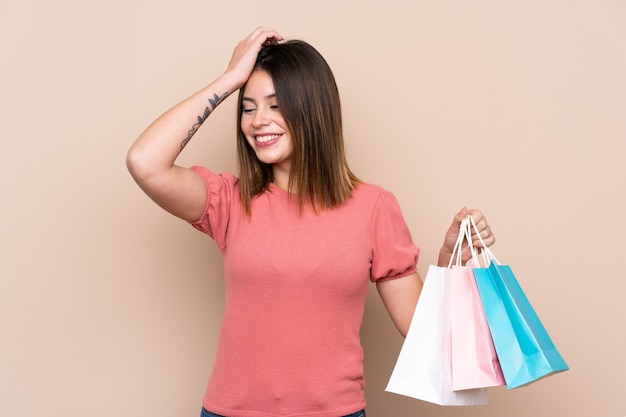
pixel 424 367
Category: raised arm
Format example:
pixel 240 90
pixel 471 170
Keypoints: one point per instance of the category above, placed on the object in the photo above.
pixel 400 296
pixel 151 158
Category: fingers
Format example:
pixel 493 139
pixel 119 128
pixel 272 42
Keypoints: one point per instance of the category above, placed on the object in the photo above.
pixel 483 229
pixel 257 39
pixel 265 36
pixel 486 238
pixel 246 52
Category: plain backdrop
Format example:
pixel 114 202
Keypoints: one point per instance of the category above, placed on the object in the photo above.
pixel 111 307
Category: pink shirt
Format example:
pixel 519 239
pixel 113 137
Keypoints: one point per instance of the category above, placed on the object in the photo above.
pixel 296 284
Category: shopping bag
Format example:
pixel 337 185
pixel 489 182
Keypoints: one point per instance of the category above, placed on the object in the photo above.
pixel 424 365
pixel 525 350
pixel 475 363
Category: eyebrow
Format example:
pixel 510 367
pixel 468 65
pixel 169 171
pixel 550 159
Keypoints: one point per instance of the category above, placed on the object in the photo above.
pixel 271 96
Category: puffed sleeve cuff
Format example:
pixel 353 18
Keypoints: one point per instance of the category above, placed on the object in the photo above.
pixel 215 217
pixel 394 255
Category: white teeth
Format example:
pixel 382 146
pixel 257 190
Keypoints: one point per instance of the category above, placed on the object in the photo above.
pixel 267 138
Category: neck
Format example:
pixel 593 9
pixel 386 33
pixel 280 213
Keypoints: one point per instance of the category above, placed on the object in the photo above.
pixel 281 177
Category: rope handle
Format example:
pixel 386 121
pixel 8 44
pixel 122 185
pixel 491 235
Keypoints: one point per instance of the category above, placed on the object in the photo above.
pixel 465 233
pixel 486 252
pixel 458 246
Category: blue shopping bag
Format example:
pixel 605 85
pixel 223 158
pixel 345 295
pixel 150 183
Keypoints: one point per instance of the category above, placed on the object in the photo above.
pixel 524 348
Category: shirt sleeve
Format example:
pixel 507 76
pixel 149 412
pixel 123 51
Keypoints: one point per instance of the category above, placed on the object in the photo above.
pixel 220 193
pixel 394 253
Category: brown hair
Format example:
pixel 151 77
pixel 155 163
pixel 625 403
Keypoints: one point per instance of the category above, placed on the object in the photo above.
pixel 308 99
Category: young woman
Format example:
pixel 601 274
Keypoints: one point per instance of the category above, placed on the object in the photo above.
pixel 301 236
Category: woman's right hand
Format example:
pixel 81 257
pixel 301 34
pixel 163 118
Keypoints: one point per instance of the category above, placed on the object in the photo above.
pixel 246 52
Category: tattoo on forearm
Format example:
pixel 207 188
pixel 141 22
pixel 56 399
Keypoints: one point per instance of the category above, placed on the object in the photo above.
pixel 213 102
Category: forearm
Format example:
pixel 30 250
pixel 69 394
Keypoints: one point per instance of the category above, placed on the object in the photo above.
pixel 444 257
pixel 151 159
pixel 400 298
pixel 159 145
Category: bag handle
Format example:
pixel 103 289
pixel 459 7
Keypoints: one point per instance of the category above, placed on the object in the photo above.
pixel 457 252
pixel 458 243
pixel 465 232
pixel 473 251
pixel 486 252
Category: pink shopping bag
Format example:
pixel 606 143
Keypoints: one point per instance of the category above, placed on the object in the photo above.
pixel 475 363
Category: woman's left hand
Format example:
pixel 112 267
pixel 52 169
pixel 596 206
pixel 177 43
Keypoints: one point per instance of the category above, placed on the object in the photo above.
pixel 453 233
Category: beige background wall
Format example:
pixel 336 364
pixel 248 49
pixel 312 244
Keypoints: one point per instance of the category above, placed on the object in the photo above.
pixel 110 307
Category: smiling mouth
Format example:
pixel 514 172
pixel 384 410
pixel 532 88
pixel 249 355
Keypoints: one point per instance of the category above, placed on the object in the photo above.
pixel 266 138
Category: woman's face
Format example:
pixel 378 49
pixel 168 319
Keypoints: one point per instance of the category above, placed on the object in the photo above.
pixel 264 127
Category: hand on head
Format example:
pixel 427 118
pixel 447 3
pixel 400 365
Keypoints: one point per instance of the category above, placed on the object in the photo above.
pixel 245 53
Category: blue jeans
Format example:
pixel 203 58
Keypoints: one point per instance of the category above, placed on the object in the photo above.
pixel 206 413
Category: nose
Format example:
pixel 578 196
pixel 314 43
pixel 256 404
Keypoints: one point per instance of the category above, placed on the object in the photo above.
pixel 261 117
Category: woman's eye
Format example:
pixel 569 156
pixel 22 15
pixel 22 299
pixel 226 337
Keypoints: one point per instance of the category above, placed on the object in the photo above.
pixel 274 107
pixel 248 111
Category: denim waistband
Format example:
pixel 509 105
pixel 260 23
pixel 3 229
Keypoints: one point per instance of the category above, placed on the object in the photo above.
pixel 207 413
